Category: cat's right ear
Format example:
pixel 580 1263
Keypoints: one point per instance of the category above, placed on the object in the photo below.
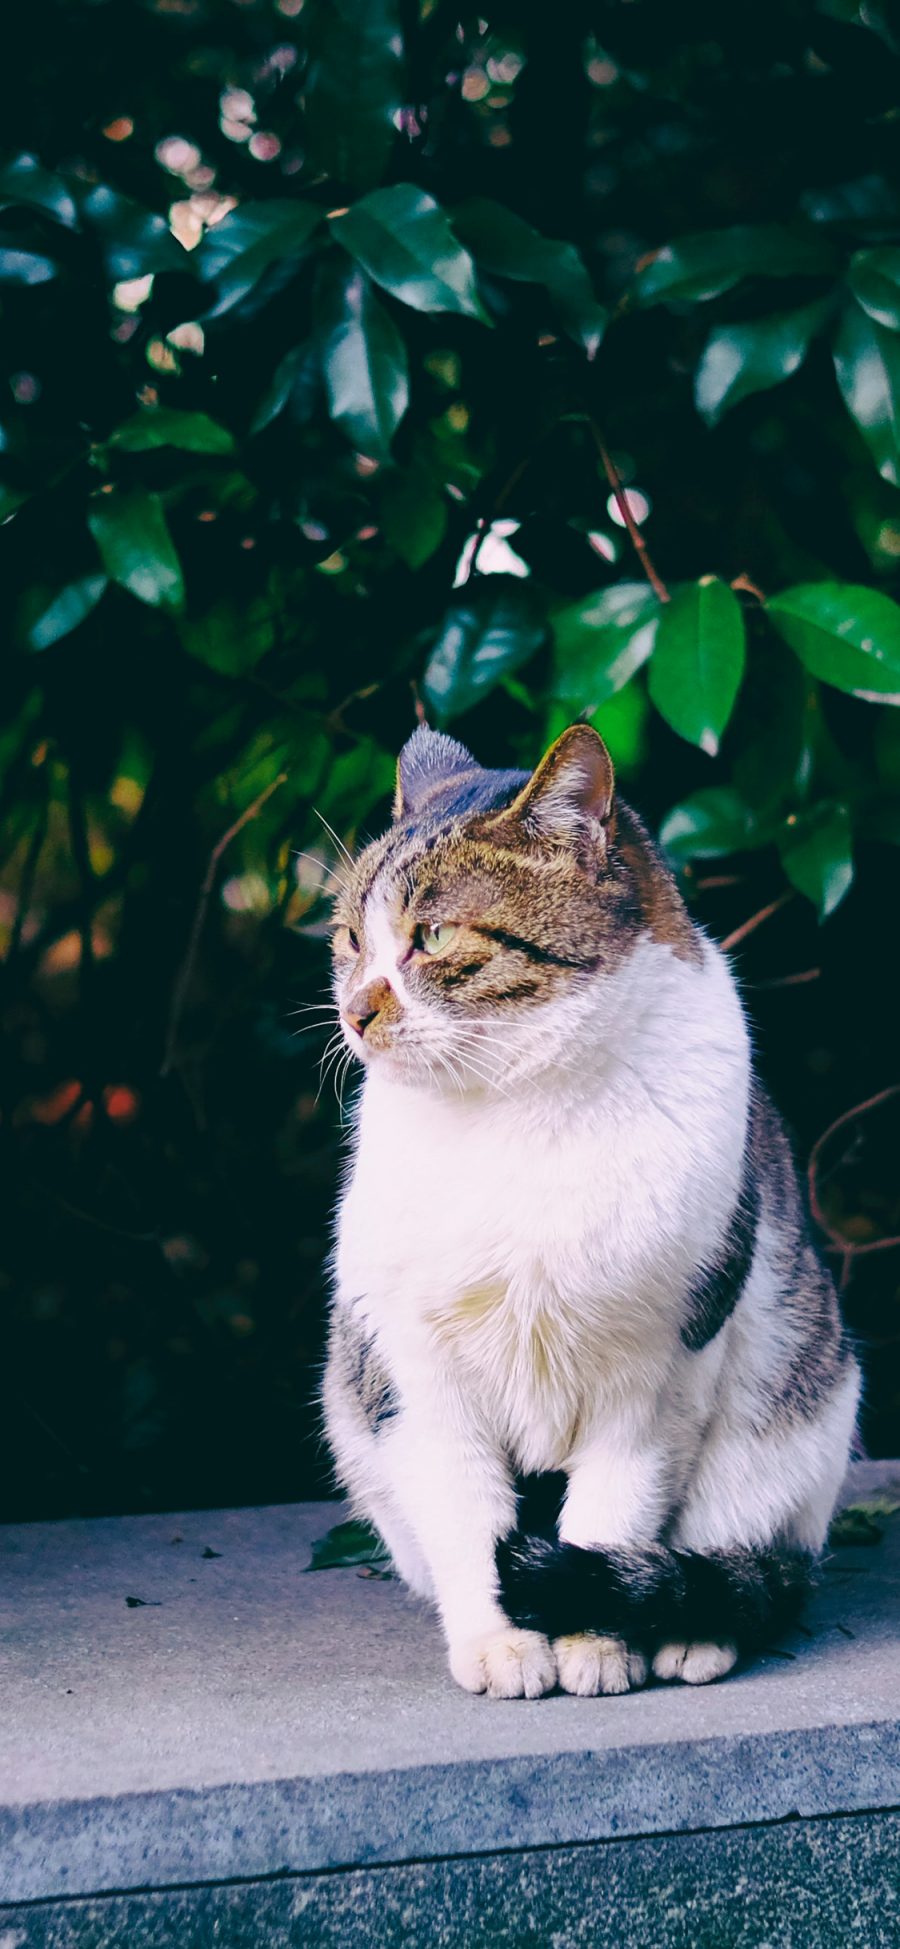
pixel 428 760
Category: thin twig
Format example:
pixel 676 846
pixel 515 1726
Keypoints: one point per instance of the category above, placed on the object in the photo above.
pixel 756 920
pixel 182 985
pixel 788 980
pixel 26 884
pixel 634 534
pixel 838 1239
pixel 713 880
pixel 751 588
pixel 78 835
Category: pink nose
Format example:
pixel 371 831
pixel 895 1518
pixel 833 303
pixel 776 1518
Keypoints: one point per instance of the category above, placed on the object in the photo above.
pixel 364 1007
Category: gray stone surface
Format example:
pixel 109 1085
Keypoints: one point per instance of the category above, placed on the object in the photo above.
pixel 247 1719
pixel 824 1884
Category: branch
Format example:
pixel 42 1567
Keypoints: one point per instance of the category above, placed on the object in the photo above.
pixel 634 534
pixel 756 920
pixel 750 588
pixel 185 976
pixel 838 1239
pixel 26 884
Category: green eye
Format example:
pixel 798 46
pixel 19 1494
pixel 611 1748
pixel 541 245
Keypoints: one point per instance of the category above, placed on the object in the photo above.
pixel 433 940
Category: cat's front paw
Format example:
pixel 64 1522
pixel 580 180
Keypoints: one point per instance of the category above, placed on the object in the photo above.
pixel 694 1664
pixel 589 1665
pixel 506 1664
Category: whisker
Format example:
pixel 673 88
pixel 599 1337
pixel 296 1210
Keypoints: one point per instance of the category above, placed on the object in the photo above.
pixel 338 842
pixel 329 868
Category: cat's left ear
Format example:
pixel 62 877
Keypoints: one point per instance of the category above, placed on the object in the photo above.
pixel 570 798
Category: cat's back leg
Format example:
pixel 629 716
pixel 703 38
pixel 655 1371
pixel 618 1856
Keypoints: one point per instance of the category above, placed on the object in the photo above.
pixel 763 1492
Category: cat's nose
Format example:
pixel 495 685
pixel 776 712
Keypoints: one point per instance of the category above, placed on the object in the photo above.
pixel 364 1007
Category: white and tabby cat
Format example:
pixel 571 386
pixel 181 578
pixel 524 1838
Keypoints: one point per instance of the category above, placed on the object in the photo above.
pixel 572 1245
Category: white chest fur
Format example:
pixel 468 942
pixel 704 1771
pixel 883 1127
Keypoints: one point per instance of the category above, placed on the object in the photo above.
pixel 528 1249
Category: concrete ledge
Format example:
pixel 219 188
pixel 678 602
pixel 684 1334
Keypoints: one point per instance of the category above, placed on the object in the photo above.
pixel 247 1720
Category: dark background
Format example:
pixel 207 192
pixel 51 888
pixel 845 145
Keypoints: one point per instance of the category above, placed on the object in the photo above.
pixel 228 559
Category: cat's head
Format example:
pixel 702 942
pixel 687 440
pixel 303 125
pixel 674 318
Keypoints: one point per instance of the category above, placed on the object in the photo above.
pixel 472 934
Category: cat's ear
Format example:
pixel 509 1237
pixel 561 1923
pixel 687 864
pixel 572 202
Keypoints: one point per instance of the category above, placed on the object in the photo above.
pixel 571 795
pixel 428 760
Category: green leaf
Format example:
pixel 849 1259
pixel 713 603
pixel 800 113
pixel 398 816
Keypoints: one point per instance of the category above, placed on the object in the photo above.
pixel 816 850
pixel 503 244
pixel 67 610
pixel 231 638
pixel 847 635
pixel 348 1543
pixel 353 89
pixel 867 363
pixel 293 374
pixel 403 239
pixel 601 641
pixel 24 181
pixel 135 546
pixel 742 359
pixel 413 513
pixel 874 279
pixel 698 661
pixel 12 498
pixel 710 825
pixel 24 266
pixel 854 1528
pixel 363 359
pixel 166 426
pixel 493 627
pixel 135 241
pixel 708 262
pixel 236 252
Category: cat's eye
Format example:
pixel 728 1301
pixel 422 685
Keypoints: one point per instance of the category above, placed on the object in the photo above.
pixel 353 940
pixel 433 940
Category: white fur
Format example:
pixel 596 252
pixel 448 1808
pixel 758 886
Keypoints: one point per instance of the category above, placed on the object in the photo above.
pixel 526 1207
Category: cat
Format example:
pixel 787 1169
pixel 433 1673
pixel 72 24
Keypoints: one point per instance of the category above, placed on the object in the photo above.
pixel 572 1244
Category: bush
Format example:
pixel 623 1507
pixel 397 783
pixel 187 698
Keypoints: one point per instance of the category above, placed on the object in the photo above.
pixel 366 358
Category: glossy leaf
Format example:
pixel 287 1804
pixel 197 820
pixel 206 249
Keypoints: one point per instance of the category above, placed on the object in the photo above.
pixel 744 359
pixel 232 638
pixel 817 856
pixel 413 513
pixel 163 426
pixel 505 245
pixel 237 252
pixel 874 279
pixel 346 1544
pixel 845 634
pixel 24 181
pixel 363 360
pixel 867 363
pixel 601 641
pixel 493 627
pixel 708 262
pixel 710 825
pixel 67 610
pixel 24 266
pixel 135 241
pixel 135 546
pixel 403 239
pixel 11 499
pixel 296 378
pixel 353 90
pixel 698 661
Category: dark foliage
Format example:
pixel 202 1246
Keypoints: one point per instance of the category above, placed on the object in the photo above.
pixel 335 339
